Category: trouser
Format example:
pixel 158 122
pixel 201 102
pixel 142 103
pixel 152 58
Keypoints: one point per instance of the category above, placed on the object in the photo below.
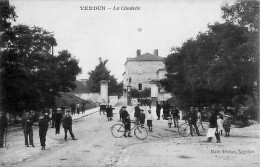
pixel 158 114
pixel 42 134
pixel 196 128
pixel 30 135
pixel 57 126
pixel 53 123
pixel 127 124
pixel 70 131
pixel 176 122
pixel 73 111
pixel 137 121
pixel 2 133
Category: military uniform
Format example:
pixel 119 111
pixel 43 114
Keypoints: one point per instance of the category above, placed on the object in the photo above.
pixel 43 128
pixel 3 126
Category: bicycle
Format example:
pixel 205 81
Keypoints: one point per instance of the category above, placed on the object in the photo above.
pixel 118 131
pixel 184 129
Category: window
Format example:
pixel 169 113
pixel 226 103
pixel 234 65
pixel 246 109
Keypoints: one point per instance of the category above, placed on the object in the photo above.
pixel 139 86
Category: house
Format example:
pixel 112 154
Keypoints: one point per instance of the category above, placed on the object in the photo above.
pixel 142 69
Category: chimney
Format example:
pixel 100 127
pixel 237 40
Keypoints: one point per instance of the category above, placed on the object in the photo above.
pixel 138 52
pixel 155 52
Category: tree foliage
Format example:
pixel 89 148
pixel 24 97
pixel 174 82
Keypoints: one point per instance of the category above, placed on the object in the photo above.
pixel 101 73
pixel 220 66
pixel 31 76
pixel 7 14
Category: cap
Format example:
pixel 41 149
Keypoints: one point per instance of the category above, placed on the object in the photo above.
pixel 58 108
pixel 124 107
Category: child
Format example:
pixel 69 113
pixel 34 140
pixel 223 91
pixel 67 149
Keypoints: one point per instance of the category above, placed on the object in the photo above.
pixel 169 121
pixel 220 124
pixel 150 121
pixel 142 118
pixel 227 125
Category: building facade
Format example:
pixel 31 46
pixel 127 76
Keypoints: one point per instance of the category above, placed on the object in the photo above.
pixel 142 69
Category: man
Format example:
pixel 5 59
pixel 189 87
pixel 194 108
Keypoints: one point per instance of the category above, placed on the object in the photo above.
pixel 58 121
pixel 3 127
pixel 43 128
pixel 27 123
pixel 73 107
pixel 137 114
pixel 158 110
pixel 67 125
pixel 175 115
pixel 53 117
pixel 193 121
pixel 126 121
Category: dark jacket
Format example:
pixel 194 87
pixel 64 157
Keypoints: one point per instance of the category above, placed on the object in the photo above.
pixel 124 115
pixel 44 122
pixel 3 122
pixel 58 117
pixel 67 121
pixel 158 107
pixel 193 117
pixel 27 123
pixel 213 121
pixel 142 118
pixel 137 112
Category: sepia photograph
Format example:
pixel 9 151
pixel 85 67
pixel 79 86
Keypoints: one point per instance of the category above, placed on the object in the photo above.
pixel 129 83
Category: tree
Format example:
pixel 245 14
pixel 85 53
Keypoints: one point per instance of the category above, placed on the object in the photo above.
pixel 6 13
pixel 30 75
pixel 220 66
pixel 101 73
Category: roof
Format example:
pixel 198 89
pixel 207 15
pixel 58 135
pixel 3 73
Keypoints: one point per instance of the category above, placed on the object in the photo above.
pixel 146 57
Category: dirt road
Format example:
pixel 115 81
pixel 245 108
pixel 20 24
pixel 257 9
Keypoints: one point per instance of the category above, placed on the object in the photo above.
pixel 163 147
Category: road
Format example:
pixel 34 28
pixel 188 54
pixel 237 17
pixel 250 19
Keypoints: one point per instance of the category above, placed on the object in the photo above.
pixel 163 147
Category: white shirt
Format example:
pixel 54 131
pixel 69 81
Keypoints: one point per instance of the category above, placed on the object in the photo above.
pixel 149 117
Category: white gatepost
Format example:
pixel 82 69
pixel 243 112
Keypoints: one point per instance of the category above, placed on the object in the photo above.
pixel 154 95
pixel 103 92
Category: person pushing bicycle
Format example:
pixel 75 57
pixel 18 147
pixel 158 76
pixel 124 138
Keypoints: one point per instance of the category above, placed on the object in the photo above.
pixel 193 121
pixel 126 121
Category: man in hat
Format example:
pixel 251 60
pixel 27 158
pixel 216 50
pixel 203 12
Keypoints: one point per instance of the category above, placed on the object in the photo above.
pixel 43 127
pixel 58 120
pixel 193 121
pixel 137 113
pixel 73 107
pixel 3 126
pixel 53 117
pixel 67 125
pixel 27 123
pixel 126 121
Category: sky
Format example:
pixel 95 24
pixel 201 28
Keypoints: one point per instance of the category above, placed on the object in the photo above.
pixel 115 35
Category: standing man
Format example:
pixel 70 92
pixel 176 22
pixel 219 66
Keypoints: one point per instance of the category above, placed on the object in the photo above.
pixel 67 125
pixel 58 120
pixel 137 114
pixel 175 115
pixel 83 108
pixel 126 121
pixel 158 110
pixel 73 107
pixel 53 117
pixel 27 123
pixel 3 127
pixel 193 121
pixel 43 128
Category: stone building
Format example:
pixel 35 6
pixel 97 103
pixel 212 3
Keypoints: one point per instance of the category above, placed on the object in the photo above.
pixel 142 69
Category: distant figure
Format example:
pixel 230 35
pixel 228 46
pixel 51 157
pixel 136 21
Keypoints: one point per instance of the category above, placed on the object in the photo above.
pixel 67 125
pixel 58 120
pixel 3 127
pixel 158 110
pixel 120 117
pixel 27 123
pixel 137 114
pixel 213 127
pixel 150 120
pixel 78 109
pixel 126 121
pixel 169 121
pixel 227 125
pixel 83 108
pixel 220 124
pixel 53 117
pixel 175 116
pixel 142 118
pixel 73 107
pixel 193 121
pixel 109 113
pixel 43 128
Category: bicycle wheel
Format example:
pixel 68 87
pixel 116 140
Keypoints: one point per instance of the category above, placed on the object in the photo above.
pixel 141 132
pixel 118 130
pixel 203 128
pixel 184 130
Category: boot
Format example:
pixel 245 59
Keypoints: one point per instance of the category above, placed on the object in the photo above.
pixel 43 148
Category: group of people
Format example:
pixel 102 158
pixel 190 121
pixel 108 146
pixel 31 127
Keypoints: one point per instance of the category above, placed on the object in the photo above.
pixel 108 109
pixel 44 119
pixel 77 108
